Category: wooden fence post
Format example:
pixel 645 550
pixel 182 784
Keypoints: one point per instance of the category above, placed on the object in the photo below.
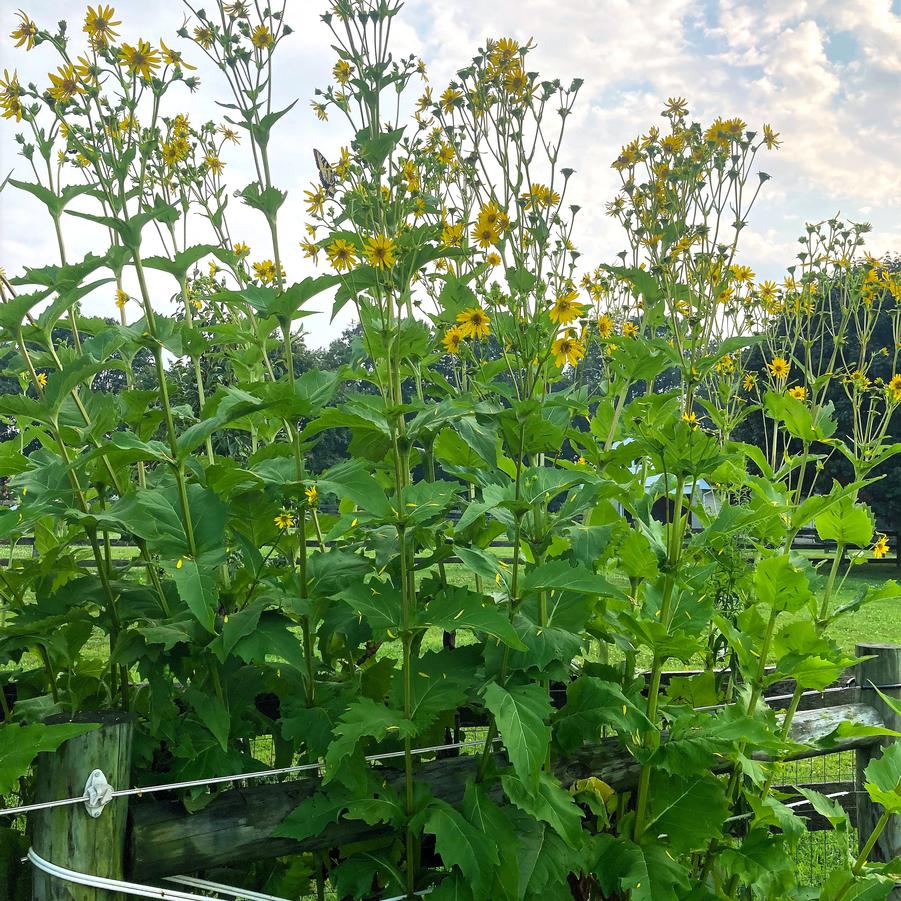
pixel 69 836
pixel 883 670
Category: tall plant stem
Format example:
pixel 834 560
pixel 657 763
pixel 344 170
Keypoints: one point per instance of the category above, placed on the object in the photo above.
pixel 674 554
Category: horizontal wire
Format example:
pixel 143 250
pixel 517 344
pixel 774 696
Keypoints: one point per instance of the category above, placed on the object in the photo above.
pixel 241 894
pixel 307 767
pixel 110 885
pixel 217 780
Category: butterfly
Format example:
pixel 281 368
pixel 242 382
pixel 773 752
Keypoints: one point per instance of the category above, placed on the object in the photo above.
pixel 326 173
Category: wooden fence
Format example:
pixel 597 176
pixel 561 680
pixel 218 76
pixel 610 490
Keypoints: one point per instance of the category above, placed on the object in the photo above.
pixel 151 838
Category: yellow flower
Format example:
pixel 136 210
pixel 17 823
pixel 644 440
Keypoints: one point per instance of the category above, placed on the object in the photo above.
pixel 215 164
pixel 25 32
pixel 266 271
pixel 89 72
pixel 121 298
pixel 894 388
pixel 675 106
pixel 749 381
pixel 725 365
pixel 566 309
pixel 213 268
pixel 173 58
pixel 99 25
pixel 342 167
pixel 799 392
pixel 229 134
pixel 64 85
pixel 493 259
pixel 10 92
pixel 379 251
pixel 241 249
pixel 630 330
pixel 342 255
pixel 690 417
pixel 320 110
pixel 342 71
pixel 452 339
pixel 540 195
pixel 770 137
pixel 742 274
pixel 174 151
pixel 204 35
pixel 450 99
pixel 142 60
pixel 474 323
pixel 605 326
pixel 315 201
pixel 261 37
pixel 503 52
pixel 486 233
pixel 237 10
pixel 42 379
pixel 284 520
pixel 880 549
pixel 516 82
pixel 445 154
pixel 779 368
pixel 567 349
pixel 310 249
pixel 452 235
pixel 312 496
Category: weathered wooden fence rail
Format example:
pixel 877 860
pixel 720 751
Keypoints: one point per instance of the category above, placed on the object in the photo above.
pixel 151 838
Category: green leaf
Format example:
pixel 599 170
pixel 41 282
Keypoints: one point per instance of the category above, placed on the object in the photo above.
pixel 374 151
pixel 19 745
pixel 212 713
pixel 351 480
pixel 883 778
pixel 799 418
pixel 460 608
pixel 689 812
pixel 197 587
pixel 364 718
pixel 379 601
pixel 559 575
pixel 846 522
pixel 520 715
pixel 828 808
pixel 782 584
pixel 549 803
pixel 462 845
pixel 647 872
pixel 592 705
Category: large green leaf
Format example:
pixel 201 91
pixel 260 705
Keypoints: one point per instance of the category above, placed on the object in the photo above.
pixel 463 845
pixel 19 745
pixel 364 718
pixel 782 584
pixel 521 715
pixel 647 872
pixel 549 803
pixel 592 705
pixel 460 608
pixel 686 813
pixel 884 778
pixel 846 522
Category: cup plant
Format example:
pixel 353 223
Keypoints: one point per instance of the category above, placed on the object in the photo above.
pixel 360 609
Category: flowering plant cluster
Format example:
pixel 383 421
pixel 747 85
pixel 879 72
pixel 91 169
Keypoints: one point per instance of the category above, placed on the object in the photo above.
pixel 361 609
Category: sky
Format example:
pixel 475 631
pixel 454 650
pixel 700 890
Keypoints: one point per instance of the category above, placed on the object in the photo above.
pixel 825 74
